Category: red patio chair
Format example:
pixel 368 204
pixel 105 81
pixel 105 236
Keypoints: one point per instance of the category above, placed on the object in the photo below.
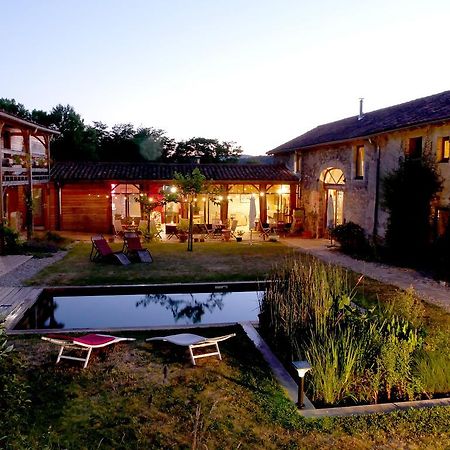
pixel 101 251
pixel 132 246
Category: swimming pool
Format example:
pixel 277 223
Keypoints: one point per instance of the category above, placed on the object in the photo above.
pixel 144 307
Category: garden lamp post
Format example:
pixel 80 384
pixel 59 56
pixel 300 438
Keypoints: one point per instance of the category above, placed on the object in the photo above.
pixel 301 367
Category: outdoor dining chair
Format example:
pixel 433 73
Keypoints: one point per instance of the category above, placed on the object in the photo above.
pixel 118 229
pixel 264 230
pixel 233 227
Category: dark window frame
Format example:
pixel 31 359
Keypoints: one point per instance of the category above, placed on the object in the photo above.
pixel 415 147
pixel 6 135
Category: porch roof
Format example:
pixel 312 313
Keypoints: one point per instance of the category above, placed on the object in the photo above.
pixel 426 110
pixel 135 171
pixel 22 123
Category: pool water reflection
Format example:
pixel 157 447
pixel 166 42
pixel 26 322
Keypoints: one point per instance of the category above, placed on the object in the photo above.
pixel 141 310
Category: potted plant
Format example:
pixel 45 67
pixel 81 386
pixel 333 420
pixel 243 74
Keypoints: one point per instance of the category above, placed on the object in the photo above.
pixel 273 237
pixel 17 162
pixel 239 234
pixel 182 230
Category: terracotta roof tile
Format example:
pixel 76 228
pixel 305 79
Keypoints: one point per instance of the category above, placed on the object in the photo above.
pixel 127 171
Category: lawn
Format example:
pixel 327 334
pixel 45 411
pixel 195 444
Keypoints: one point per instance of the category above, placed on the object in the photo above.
pixel 124 400
pixel 210 261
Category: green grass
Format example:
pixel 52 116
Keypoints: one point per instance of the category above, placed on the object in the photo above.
pixel 124 401
pixel 222 261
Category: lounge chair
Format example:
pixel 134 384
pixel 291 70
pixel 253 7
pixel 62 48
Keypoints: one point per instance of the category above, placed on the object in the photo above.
pixel 101 251
pixel 193 341
pixel 132 246
pixel 85 343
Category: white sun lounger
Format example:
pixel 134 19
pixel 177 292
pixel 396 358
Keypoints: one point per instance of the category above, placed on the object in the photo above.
pixel 86 343
pixel 193 341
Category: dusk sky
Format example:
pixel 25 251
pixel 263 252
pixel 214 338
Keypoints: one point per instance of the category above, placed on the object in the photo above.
pixel 252 71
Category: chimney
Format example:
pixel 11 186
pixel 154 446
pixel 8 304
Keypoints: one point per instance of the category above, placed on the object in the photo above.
pixel 361 114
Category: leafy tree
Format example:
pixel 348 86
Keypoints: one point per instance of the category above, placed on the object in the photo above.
pixel 150 143
pixel 207 150
pixel 71 144
pixel 407 195
pixel 11 106
pixel 189 186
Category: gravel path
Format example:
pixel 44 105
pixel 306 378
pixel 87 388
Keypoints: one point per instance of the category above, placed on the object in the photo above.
pixel 426 288
pixel 26 270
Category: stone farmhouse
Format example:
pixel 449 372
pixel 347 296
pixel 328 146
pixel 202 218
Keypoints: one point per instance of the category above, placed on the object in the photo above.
pixel 344 162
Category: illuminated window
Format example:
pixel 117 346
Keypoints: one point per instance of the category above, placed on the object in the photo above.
pixel 445 150
pixel 333 176
pixel 297 163
pixel 359 162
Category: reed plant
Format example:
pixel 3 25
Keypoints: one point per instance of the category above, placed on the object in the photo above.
pixel 357 355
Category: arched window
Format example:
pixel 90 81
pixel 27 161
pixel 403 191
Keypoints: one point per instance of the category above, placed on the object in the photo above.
pixel 333 176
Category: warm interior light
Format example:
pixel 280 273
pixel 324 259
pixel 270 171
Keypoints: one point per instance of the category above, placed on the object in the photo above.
pixel 261 194
pixel 173 189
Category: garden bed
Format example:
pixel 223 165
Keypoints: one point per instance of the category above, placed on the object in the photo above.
pixel 391 351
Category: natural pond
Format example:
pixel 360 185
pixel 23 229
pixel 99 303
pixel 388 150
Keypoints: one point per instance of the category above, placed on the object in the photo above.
pixel 168 305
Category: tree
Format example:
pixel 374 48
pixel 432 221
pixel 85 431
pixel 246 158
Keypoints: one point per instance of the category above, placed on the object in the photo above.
pixel 189 186
pixel 150 143
pixel 11 106
pixel 206 150
pixel 71 144
pixel 407 195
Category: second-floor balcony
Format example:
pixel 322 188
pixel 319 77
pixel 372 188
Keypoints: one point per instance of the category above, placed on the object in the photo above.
pixel 16 174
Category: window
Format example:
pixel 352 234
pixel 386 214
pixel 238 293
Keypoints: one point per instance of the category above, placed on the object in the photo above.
pixel 333 176
pixel 297 162
pixel 444 155
pixel 6 139
pixel 359 162
pixel 415 148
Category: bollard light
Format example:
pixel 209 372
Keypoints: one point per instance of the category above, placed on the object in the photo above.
pixel 301 367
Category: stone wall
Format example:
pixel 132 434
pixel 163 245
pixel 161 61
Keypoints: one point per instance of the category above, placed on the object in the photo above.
pixel 360 194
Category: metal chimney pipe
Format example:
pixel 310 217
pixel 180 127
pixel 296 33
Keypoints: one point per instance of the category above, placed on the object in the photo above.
pixel 361 114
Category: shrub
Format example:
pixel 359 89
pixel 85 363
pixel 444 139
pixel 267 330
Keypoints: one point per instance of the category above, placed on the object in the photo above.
pixel 352 239
pixel 13 390
pixel 407 195
pixel 11 239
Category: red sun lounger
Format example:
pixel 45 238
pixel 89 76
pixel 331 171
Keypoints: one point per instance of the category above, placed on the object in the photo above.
pixel 101 251
pixel 132 246
pixel 86 343
pixel 193 341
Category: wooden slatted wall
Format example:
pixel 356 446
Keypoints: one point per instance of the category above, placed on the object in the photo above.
pixel 86 207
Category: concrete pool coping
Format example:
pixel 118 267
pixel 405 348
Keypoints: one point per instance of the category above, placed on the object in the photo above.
pixel 18 308
pixel 283 377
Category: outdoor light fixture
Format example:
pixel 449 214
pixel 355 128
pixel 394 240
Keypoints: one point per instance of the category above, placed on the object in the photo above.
pixel 301 367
